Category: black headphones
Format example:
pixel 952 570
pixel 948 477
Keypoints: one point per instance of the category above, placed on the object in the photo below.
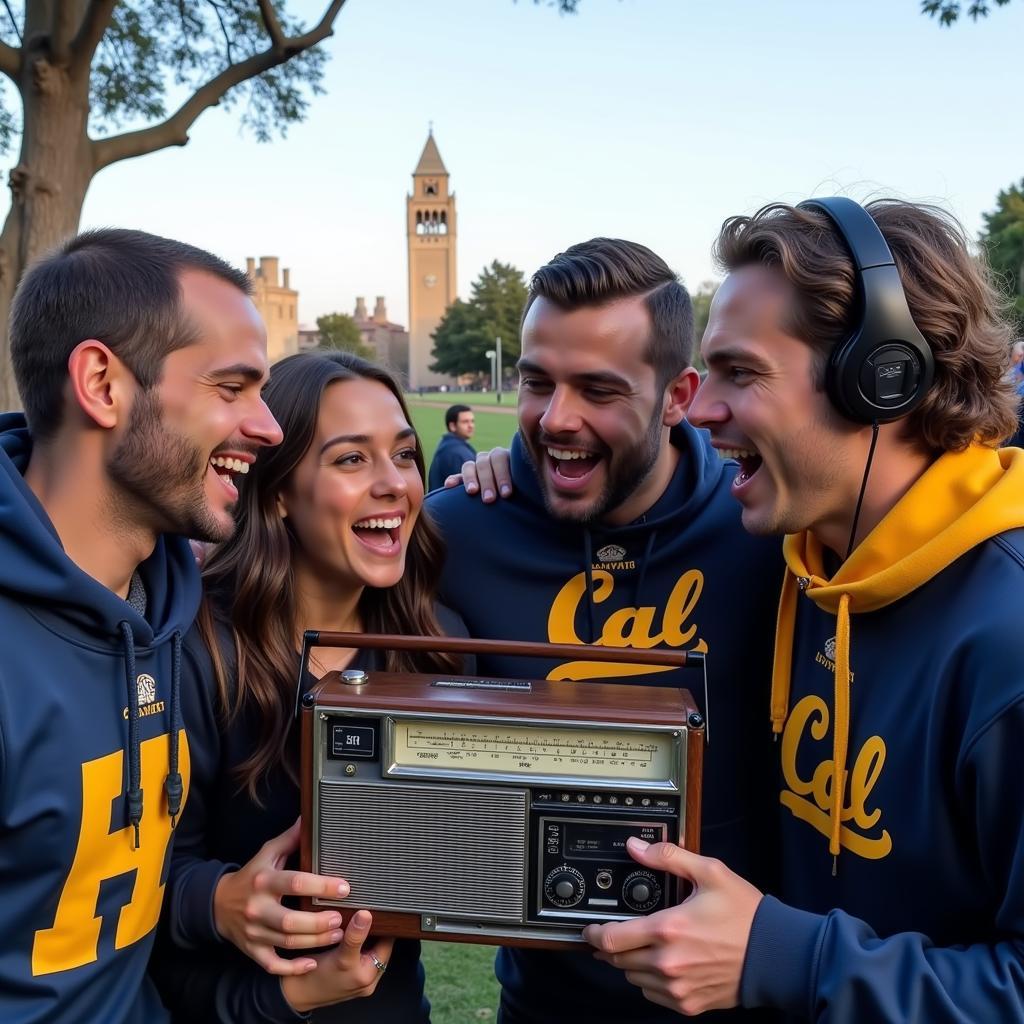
pixel 883 369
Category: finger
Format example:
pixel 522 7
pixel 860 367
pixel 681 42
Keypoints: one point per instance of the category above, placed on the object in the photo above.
pixel 632 960
pixel 485 477
pixel 469 480
pixel 278 848
pixel 673 859
pixel 258 935
pixel 501 466
pixel 281 966
pixel 299 883
pixel 357 932
pixel 621 936
pixel 455 480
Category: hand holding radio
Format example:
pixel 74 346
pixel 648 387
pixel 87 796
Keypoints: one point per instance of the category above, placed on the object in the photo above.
pixel 247 907
pixel 688 958
pixel 347 972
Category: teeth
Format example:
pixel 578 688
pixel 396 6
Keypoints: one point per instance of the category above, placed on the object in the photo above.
pixel 234 465
pixel 735 453
pixel 380 524
pixel 566 456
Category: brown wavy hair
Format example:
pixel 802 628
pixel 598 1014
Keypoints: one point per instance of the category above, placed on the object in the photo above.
pixel 250 586
pixel 951 296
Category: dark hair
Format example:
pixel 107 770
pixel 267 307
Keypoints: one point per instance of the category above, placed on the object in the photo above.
pixel 249 582
pixel 605 269
pixel 453 413
pixel 949 291
pixel 120 287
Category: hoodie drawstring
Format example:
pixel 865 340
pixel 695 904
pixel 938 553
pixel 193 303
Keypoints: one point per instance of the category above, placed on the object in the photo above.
pixel 172 784
pixel 134 761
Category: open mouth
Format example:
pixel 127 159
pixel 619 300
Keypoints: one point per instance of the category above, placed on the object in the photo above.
pixel 227 469
pixel 381 534
pixel 750 462
pixel 571 468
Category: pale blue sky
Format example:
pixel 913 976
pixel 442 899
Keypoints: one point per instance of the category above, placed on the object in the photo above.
pixel 647 119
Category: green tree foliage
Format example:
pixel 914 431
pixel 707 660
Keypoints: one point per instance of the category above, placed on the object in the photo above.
pixel 339 330
pixel 1003 239
pixel 947 12
pixel 701 299
pixel 468 329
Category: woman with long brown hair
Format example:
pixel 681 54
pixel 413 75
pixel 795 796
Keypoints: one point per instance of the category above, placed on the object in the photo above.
pixel 330 535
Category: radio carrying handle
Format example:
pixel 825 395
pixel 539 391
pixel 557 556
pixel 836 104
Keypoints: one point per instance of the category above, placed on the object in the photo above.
pixel 466 645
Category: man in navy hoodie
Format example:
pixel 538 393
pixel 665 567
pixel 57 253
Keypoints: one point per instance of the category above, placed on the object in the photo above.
pixel 620 532
pixel 454 448
pixel 139 361
pixel 857 366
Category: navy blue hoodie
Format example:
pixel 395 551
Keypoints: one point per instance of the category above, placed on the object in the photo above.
pixel 452 451
pixel 683 575
pixel 78 901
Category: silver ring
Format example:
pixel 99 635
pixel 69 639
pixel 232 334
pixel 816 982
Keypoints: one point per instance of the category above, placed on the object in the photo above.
pixel 379 964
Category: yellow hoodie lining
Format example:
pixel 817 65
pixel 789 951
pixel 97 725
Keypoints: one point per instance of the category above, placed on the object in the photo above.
pixel 963 499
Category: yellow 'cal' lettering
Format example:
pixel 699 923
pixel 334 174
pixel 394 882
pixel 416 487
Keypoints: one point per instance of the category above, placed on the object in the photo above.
pixel 101 854
pixel 810 800
pixel 625 627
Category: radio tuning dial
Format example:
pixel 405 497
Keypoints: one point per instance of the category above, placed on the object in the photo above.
pixel 641 891
pixel 564 887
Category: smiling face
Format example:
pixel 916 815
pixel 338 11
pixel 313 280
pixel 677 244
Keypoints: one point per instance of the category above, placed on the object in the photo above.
pixel 800 462
pixel 353 500
pixel 202 424
pixel 591 412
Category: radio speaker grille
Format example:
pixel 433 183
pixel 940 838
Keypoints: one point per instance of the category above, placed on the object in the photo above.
pixel 427 849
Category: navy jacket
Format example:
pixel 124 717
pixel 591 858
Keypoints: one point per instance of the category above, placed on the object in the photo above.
pixel 78 902
pixel 452 451
pixel 931 872
pixel 683 575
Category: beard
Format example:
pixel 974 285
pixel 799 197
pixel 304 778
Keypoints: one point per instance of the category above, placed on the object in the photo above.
pixel 627 469
pixel 161 475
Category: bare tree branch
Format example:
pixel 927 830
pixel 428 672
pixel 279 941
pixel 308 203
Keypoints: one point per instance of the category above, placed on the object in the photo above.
pixel 61 32
pixel 14 22
pixel 174 130
pixel 271 22
pixel 90 32
pixel 10 61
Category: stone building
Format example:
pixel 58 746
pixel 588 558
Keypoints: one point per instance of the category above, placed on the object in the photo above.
pixel 278 304
pixel 431 234
pixel 388 341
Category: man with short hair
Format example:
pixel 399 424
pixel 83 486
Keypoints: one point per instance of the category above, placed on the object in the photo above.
pixel 454 448
pixel 620 532
pixel 139 361
pixel 857 366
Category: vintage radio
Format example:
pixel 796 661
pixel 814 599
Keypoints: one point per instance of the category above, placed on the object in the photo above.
pixel 494 810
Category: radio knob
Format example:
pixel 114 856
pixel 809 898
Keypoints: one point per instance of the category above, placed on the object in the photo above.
pixel 641 891
pixel 564 887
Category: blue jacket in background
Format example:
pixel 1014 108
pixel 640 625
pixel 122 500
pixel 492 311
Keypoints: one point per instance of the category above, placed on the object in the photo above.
pixel 931 872
pixel 78 902
pixel 683 575
pixel 452 451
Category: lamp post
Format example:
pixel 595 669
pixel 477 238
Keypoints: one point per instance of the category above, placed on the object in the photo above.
pixel 497 350
pixel 490 353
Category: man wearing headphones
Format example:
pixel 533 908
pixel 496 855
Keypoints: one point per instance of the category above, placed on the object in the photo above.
pixel 858 370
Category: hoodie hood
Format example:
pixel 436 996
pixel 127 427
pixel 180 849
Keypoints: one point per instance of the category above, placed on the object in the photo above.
pixel 35 569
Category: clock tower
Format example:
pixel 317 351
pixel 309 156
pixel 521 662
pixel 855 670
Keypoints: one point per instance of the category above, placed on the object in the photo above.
pixel 430 229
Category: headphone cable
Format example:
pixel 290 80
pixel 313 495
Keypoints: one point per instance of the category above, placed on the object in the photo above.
pixel 863 487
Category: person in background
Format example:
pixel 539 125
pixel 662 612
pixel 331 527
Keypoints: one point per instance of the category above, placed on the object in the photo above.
pixel 331 536
pixel 139 361
pixel 454 448
pixel 898 690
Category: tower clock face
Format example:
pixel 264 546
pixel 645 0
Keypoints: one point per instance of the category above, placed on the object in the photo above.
pixel 430 280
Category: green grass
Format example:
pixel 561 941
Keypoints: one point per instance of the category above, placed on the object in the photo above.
pixel 492 428
pixel 473 398
pixel 461 985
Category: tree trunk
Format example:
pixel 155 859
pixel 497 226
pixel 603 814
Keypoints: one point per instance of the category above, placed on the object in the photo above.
pixel 48 185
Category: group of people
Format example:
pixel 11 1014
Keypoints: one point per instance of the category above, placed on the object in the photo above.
pixel 865 867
